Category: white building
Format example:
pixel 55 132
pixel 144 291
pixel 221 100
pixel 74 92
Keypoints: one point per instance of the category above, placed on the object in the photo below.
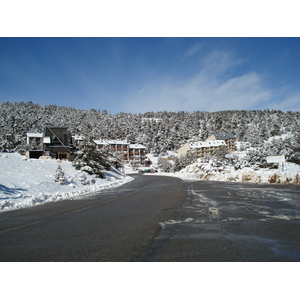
pixel 228 137
pixel 35 140
pixel 202 149
pixel 34 145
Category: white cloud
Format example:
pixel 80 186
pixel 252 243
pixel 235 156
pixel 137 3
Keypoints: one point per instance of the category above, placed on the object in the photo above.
pixel 290 103
pixel 211 89
pixel 244 92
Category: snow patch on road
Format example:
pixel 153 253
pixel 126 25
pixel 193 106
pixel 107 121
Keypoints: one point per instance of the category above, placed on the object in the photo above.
pixel 173 222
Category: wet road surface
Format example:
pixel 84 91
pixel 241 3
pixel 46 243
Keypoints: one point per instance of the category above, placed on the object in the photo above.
pixel 155 218
pixel 232 222
pixel 114 225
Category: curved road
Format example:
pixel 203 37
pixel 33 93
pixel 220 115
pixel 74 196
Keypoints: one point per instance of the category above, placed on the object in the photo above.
pixel 115 225
pixel 156 218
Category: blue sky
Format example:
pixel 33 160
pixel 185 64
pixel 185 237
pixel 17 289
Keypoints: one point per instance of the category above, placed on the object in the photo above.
pixel 152 74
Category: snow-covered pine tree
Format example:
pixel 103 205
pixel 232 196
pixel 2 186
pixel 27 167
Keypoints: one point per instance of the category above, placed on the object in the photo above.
pixel 90 160
pixel 170 133
pixel 114 159
pixel 60 176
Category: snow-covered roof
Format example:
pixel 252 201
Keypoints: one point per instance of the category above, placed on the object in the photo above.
pixel 78 137
pixel 117 142
pixel 136 146
pixel 110 142
pixel 47 140
pixel 34 134
pixel 100 142
pixel 207 144
pixel 151 120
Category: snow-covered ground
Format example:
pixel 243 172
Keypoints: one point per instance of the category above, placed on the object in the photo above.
pixel 27 182
pixel 289 174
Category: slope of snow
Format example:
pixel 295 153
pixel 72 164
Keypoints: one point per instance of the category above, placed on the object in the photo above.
pixel 289 174
pixel 27 182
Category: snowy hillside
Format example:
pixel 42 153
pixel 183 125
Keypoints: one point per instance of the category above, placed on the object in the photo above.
pixel 159 132
pixel 249 165
pixel 27 182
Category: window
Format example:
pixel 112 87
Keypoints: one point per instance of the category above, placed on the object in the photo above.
pixel 62 156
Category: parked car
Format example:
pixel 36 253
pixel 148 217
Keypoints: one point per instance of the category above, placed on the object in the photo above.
pixel 143 171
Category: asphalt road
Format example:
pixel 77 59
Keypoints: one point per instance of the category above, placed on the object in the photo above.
pixel 155 218
pixel 115 225
pixel 234 222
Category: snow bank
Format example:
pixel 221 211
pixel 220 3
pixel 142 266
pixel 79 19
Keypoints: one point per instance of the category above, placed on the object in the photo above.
pixel 26 182
pixel 290 174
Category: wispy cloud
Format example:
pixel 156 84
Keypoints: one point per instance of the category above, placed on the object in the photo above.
pixel 211 89
pixel 192 50
pixel 143 89
pixel 289 103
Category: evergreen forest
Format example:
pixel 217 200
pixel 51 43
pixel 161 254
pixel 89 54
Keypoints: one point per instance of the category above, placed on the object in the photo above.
pixel 158 131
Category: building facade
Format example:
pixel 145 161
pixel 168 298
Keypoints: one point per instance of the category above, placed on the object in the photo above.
pixel 228 137
pixel 55 142
pixel 202 149
pixel 35 140
pixel 128 153
pixel 34 145
pixel 58 143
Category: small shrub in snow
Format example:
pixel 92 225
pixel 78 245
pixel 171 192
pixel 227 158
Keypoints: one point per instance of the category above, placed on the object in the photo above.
pixel 183 161
pixel 5 204
pixel 60 176
pixel 247 177
pixel 82 178
pixel 164 165
pixel 297 178
pixel 274 179
pixel 87 169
